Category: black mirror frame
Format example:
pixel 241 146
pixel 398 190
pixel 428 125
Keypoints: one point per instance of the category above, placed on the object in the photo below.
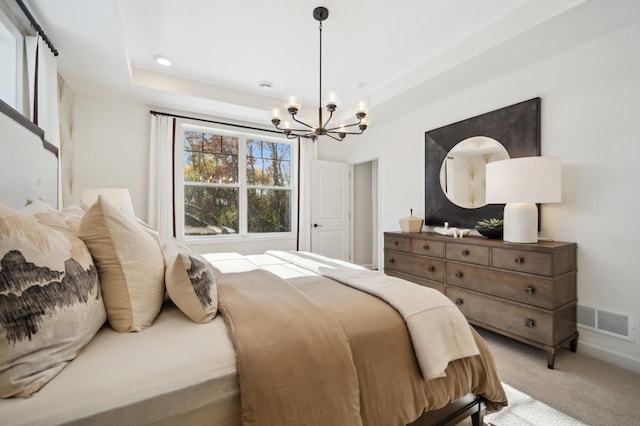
pixel 516 127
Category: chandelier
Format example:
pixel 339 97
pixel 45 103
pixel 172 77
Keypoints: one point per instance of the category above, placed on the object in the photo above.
pixel 322 128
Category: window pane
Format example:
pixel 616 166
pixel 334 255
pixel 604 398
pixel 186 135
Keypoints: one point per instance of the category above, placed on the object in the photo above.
pixel 269 210
pixel 210 211
pixel 268 163
pixel 210 158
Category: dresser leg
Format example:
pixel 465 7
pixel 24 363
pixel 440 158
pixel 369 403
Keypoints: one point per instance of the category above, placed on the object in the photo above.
pixel 551 358
pixel 573 343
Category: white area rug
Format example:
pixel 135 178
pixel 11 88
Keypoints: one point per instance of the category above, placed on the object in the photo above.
pixel 523 410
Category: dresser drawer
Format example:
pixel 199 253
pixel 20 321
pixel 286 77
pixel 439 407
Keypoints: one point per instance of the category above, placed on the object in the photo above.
pixel 426 283
pixel 431 269
pixel 548 293
pixel 427 247
pixel 397 243
pixel 467 253
pixel 529 323
pixel 522 261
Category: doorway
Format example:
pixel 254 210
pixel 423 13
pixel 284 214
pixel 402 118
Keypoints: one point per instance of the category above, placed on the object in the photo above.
pixel 365 214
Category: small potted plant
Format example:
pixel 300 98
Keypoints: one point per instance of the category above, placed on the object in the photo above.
pixel 490 228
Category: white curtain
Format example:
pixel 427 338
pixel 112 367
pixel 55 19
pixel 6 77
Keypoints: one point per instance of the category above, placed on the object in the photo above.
pixel 160 208
pixel 308 153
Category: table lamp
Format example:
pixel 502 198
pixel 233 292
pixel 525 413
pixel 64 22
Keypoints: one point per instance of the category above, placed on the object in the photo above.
pixel 119 197
pixel 520 183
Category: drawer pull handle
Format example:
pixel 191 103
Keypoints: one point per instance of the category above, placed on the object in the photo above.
pixel 431 268
pixel 465 252
pixel 425 247
pixel 530 323
pixel 391 260
pixel 459 301
pixel 459 274
pixel 529 290
pixel 395 243
pixel 519 260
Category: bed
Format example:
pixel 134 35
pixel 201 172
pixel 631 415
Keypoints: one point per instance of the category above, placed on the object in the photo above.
pixel 294 338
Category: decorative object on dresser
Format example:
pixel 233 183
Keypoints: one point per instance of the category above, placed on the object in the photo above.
pixel 456 156
pixel 411 223
pixel 526 292
pixel 490 228
pixel 453 232
pixel 520 183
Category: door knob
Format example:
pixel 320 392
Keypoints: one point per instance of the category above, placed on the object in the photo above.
pixel 315 225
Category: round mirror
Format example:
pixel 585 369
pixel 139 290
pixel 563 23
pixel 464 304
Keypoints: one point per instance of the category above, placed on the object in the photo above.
pixel 462 174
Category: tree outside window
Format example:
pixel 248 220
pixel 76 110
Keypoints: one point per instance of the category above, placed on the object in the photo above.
pixel 231 179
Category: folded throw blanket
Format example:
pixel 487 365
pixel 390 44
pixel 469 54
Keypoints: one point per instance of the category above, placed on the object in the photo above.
pixel 439 331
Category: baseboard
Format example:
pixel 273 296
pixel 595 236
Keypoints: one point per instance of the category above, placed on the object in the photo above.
pixel 622 361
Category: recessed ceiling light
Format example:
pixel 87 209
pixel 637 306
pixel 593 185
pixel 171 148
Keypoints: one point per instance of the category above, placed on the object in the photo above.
pixel 162 60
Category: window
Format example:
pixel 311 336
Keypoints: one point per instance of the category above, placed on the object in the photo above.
pixel 10 66
pixel 236 183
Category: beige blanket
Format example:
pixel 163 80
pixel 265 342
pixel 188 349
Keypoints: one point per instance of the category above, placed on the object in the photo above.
pixel 294 361
pixel 291 374
pixel 447 336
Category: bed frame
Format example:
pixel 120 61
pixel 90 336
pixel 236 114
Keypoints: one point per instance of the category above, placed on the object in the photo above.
pixel 29 168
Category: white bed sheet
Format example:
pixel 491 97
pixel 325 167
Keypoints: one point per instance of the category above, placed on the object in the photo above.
pixel 175 372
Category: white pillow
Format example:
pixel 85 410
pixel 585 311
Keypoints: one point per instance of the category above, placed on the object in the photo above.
pixel 130 264
pixel 190 282
pixel 50 300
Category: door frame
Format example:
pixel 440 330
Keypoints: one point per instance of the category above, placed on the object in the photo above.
pixel 376 179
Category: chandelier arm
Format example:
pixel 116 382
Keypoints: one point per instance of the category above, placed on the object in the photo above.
pixel 301 122
pixel 350 133
pixel 328 120
pixel 345 133
pixel 304 133
pixel 333 137
pixel 344 126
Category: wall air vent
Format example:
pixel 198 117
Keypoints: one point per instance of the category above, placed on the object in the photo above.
pixel 607 322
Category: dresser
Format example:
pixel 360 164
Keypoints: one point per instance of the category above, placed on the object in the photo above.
pixel 524 291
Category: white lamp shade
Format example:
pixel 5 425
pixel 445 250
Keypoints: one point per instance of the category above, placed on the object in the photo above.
pixel 119 197
pixel 520 183
pixel 524 180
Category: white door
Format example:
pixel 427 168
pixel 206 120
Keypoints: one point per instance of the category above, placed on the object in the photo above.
pixel 330 209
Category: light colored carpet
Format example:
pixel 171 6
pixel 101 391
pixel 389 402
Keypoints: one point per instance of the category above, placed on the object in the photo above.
pixel 584 388
pixel 524 410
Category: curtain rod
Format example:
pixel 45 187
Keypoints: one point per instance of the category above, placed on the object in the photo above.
pixel 215 122
pixel 37 27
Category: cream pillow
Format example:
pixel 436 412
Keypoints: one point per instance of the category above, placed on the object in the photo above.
pixel 50 303
pixel 130 264
pixel 190 282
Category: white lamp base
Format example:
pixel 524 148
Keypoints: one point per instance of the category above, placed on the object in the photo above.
pixel 520 223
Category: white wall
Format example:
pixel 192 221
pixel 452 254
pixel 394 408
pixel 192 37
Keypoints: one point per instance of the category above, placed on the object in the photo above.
pixel 591 119
pixel 111 141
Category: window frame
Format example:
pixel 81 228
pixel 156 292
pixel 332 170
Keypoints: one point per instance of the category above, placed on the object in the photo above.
pixel 16 61
pixel 242 233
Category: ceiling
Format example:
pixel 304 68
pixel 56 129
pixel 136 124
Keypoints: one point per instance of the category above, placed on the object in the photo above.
pixel 404 53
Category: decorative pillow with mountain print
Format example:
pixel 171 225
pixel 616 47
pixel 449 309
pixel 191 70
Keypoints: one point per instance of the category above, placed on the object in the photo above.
pixel 190 282
pixel 50 301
